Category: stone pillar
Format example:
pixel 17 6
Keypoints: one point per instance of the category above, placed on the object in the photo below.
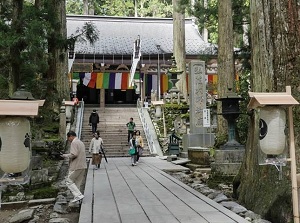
pixel 197 87
pixel 62 122
pixel 196 144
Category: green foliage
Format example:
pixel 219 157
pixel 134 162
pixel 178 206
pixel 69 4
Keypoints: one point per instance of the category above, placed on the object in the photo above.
pixel 74 7
pixel 34 39
pixel 45 192
pixel 88 33
pixel 156 8
pixel 220 140
pixel 171 111
pixel 208 18
pixel 150 8
pixel 242 123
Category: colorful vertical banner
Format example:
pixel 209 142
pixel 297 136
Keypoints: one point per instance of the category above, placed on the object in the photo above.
pixel 124 81
pixel 99 81
pixel 75 76
pixel 87 78
pixel 112 77
pixel 118 80
pixel 121 80
pixel 92 82
pixel 105 84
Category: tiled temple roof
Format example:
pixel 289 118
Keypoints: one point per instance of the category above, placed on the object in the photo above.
pixel 117 35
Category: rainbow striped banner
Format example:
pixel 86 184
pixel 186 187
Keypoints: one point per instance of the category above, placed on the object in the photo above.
pixel 108 80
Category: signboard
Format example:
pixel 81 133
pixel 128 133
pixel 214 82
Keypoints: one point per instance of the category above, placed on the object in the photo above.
pixel 206 117
pixel 136 59
pixel 82 67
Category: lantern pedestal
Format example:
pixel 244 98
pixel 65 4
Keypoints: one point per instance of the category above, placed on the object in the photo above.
pixel 229 157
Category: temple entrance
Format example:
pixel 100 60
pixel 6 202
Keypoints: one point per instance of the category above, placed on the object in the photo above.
pixel 116 96
pixel 112 96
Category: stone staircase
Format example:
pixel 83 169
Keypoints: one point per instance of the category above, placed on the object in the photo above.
pixel 112 129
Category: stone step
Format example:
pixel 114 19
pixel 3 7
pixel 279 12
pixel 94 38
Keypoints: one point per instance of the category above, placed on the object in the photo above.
pixel 113 130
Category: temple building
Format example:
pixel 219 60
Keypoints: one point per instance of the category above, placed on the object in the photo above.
pixel 100 72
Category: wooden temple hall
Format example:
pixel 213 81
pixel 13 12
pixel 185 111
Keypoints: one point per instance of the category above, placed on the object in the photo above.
pixel 99 73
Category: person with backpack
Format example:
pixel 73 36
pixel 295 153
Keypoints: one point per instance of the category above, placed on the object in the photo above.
pixel 131 127
pixel 94 120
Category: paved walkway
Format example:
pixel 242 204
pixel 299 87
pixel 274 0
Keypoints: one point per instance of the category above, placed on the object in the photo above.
pixel 121 193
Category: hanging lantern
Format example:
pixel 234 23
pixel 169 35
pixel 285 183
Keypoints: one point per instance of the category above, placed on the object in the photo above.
pixel 15 142
pixel 271 109
pixel 272 122
pixel 15 150
pixel 272 140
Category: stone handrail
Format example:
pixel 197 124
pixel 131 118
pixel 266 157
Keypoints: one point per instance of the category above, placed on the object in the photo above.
pixel 149 130
pixel 79 120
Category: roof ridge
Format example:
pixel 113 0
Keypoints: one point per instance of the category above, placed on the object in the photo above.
pixel 118 18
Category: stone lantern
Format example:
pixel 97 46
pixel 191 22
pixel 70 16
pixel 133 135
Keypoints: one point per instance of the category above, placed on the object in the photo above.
pixel 230 111
pixel 173 72
pixel 159 112
pixel 230 155
pixel 15 136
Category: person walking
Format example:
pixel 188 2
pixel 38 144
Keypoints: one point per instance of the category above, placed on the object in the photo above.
pixel 77 166
pixel 131 127
pixel 140 145
pixel 94 120
pixel 132 145
pixel 75 100
pixel 95 148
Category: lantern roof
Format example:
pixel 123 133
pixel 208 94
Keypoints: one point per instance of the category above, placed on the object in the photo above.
pixel 20 107
pixel 69 103
pixel 174 69
pixel 22 94
pixel 230 95
pixel 158 102
pixel 261 99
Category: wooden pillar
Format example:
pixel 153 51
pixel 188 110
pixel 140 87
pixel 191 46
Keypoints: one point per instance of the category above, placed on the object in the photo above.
pixel 102 98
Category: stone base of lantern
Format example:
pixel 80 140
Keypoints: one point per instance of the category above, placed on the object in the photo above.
pixel 225 169
pixel 198 140
pixel 199 156
pixel 228 161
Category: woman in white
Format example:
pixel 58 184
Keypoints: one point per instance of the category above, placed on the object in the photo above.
pixel 95 148
pixel 140 145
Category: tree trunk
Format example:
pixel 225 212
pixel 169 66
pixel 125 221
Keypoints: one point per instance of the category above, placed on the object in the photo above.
pixel 57 74
pixel 179 43
pixel 275 64
pixel 15 49
pixel 225 60
pixel 85 7
pixel 62 81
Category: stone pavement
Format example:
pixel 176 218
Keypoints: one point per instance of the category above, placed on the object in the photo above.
pixel 121 193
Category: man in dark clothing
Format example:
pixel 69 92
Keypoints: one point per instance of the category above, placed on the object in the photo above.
pixel 94 120
pixel 131 127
